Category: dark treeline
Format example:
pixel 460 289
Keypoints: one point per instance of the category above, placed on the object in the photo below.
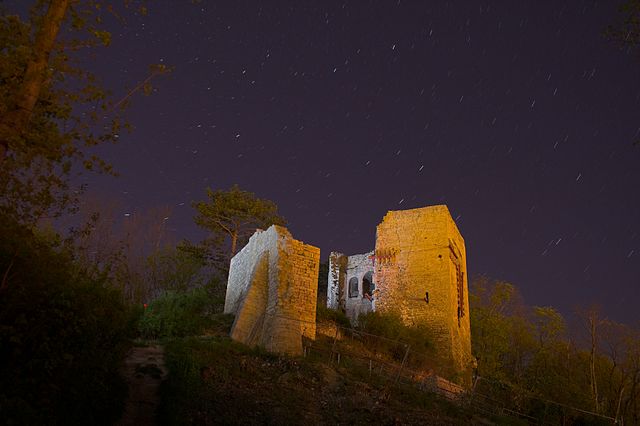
pixel 530 354
pixel 72 299
pixel 63 334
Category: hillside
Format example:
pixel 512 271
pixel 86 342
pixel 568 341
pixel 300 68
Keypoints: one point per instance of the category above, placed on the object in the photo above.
pixel 214 380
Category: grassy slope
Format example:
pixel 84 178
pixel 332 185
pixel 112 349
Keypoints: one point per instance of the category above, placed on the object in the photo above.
pixel 214 380
pixel 218 381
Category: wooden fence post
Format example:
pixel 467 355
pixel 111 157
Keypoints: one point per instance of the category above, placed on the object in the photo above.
pixel 333 347
pixel 406 354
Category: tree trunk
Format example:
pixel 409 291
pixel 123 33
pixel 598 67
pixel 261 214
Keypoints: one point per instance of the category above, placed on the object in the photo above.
pixel 234 242
pixel 14 122
pixel 619 402
pixel 592 363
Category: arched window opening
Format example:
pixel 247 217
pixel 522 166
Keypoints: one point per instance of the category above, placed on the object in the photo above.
pixel 367 284
pixel 353 287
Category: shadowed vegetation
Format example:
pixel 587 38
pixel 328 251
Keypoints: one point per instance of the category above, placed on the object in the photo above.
pixel 63 334
pixel 219 381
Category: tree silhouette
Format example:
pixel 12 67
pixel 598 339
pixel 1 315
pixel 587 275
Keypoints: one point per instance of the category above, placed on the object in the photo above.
pixel 231 217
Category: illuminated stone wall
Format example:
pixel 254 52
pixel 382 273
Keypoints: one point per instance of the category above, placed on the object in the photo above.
pixel 335 281
pixel 341 294
pixel 419 251
pixel 272 290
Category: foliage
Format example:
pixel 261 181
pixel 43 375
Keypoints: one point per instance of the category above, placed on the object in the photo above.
pixel 51 109
pixel 496 328
pixel 181 313
pixel 63 336
pixel 136 252
pixel 527 355
pixel 397 336
pixel 391 326
pixel 173 269
pixel 627 32
pixel 326 314
pixel 38 159
pixel 231 217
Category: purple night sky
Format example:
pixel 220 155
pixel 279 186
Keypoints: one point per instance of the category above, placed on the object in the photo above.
pixel 520 116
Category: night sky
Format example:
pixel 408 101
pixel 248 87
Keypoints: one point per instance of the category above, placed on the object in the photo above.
pixel 519 116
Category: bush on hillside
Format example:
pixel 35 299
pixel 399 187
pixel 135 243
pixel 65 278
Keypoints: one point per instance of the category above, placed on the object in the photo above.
pixel 178 314
pixel 63 336
pixel 327 314
pixel 394 335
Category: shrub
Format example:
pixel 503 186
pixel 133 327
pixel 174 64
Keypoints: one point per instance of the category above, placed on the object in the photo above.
pixel 395 334
pixel 178 314
pixel 63 336
pixel 326 314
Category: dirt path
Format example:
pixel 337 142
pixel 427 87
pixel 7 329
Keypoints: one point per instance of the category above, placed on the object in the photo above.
pixel 144 371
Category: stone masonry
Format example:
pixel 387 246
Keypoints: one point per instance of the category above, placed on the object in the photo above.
pixel 419 271
pixel 349 277
pixel 421 251
pixel 272 290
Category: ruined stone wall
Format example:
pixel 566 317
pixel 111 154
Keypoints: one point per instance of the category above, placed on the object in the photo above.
pixel 357 266
pixel 335 281
pixel 418 251
pixel 272 290
pixel 342 269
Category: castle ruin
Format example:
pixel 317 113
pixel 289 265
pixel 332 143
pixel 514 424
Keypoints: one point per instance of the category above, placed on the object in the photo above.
pixel 417 270
pixel 272 290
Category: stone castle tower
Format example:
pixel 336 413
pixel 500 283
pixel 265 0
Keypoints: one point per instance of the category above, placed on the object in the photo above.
pixel 272 288
pixel 421 273
pixel 418 269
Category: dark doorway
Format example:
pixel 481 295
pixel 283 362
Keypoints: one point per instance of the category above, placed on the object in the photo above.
pixel 367 283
